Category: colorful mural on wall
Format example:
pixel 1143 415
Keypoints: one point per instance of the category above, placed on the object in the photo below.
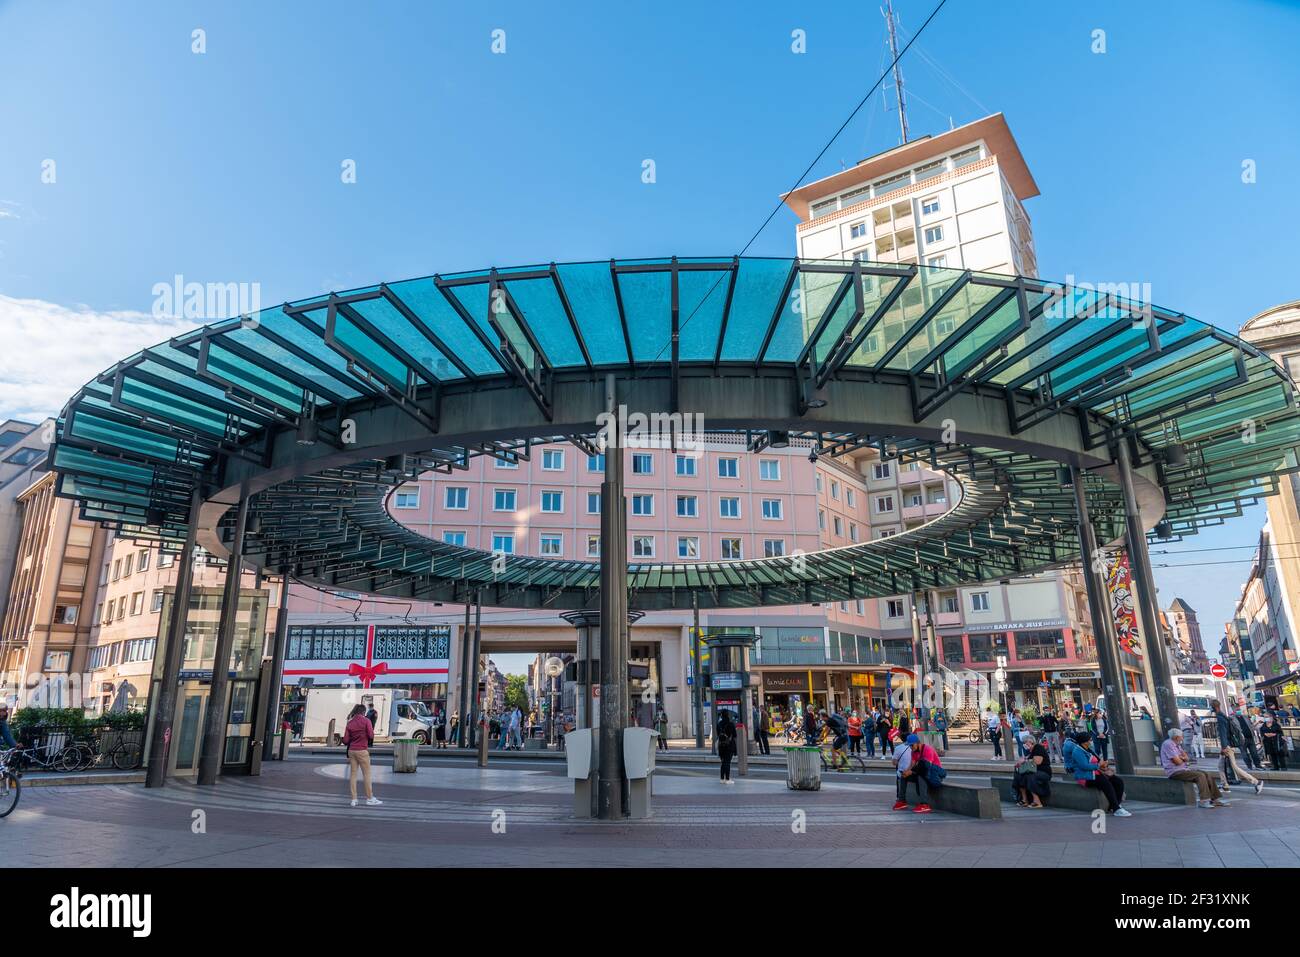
pixel 1119 587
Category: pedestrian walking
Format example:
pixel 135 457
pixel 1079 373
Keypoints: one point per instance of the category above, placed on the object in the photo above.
pixel 372 716
pixel 1094 773
pixel 994 726
pixel 726 744
pixel 1230 741
pixel 440 728
pixel 1248 740
pixel 358 736
pixel 1178 766
pixel 763 731
pixel 1192 736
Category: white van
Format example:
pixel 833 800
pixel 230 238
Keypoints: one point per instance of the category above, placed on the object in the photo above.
pixel 398 716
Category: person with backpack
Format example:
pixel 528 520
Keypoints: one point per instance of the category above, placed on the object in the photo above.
pixel 1092 772
pixel 726 744
pixel 763 730
pixel 940 724
pixel 839 729
pixel 1251 753
pixel 358 736
pixel 1051 734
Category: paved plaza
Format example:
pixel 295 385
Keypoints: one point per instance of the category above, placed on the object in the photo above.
pixel 517 813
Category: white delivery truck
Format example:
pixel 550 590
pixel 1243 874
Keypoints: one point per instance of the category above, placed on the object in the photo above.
pixel 398 715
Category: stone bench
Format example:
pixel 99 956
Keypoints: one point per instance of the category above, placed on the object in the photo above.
pixel 1066 793
pixel 969 800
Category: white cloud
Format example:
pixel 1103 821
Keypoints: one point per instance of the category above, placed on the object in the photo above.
pixel 49 351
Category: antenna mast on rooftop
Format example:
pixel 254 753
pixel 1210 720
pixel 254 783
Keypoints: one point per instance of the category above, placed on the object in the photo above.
pixel 898 71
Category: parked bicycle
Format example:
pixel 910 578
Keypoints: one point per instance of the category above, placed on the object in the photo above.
pixel 978 735
pixel 123 756
pixel 57 753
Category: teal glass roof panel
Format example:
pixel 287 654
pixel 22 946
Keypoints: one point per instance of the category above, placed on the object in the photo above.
pixel 758 287
pixel 92 428
pixel 647 302
pixel 959 358
pixel 539 301
pixel 389 321
pixel 701 297
pixel 337 380
pixel 169 407
pixel 254 378
pixel 965 303
pixel 591 296
pixel 424 299
pixel 377 359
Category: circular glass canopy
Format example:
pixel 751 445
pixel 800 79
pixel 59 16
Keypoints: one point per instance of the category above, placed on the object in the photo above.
pixel 317 409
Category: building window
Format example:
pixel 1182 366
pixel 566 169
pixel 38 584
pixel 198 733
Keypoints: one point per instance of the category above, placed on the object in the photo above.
pixel 850 499
pixel 65 614
pixel 929 205
pixel 553 460
pixel 593 546
pixel 596 463
pixel 126 566
pixel 112 603
pixel 142 560
pixel 685 465
pixel 979 601
pixel 99 614
pixel 953 652
pixel 1038 645
pixel 103 575
pixel 643 504
pixel 121 608
pixel 117 569
pixel 821 520
pixel 688 547
pixel 934 234
pixel 858 231
pixel 987 647
pixel 729 507
pixel 884 503
pixel 552 501
pixel 503 500
pixel 407 498
pixel 881 470
pixel 938 262
pixel 949 603
pixel 819 481
pixel 508 463
pixel 455 498
pixel 853 531
pixel 593 503
pixel 915 500
pixel 643 546
pixel 643 464
pixel 728 468
pixel 936 496
pixel 731 549
pixel 769 469
pixel 773 547
pixel 839 525
pixel 835 490
pixel 894 608
pixel 166 559
pixel 454 538
pixel 772 508
pixel 858 608
pixel 137 603
pixel 687 506
pixel 505 544
pixel 552 545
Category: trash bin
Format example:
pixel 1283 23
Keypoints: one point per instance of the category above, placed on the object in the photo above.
pixel 406 755
pixel 803 768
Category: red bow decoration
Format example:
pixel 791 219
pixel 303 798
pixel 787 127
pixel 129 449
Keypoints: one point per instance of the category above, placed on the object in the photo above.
pixel 367 673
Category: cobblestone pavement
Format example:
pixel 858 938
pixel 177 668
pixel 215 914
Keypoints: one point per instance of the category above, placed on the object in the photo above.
pixel 517 814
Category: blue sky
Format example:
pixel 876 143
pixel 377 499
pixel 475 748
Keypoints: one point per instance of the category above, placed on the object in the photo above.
pixel 225 166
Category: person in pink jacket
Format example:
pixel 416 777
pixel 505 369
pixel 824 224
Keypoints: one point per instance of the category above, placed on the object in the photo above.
pixel 358 736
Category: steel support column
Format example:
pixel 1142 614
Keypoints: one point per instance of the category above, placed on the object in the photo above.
pixel 462 729
pixel 163 700
pixel 1112 675
pixel 1166 715
pixel 613 622
pixel 215 719
pixel 273 716
pixel 918 653
pixel 697 685
pixel 479 725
